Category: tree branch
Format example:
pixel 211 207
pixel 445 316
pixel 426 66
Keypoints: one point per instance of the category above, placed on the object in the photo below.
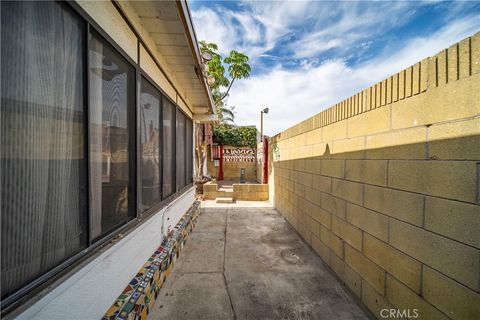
pixel 230 86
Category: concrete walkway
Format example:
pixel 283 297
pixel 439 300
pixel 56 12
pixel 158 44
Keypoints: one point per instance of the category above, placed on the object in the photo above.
pixel 243 261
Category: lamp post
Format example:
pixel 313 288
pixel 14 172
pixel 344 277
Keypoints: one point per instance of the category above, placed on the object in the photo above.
pixel 264 147
pixel 265 110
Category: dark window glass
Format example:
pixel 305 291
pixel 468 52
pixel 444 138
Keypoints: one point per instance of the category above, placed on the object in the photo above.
pixel 43 164
pixel 189 157
pixel 112 94
pixel 168 147
pixel 150 141
pixel 180 155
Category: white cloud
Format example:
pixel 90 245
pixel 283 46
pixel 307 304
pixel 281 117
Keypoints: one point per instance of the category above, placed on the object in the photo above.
pixel 304 30
pixel 294 95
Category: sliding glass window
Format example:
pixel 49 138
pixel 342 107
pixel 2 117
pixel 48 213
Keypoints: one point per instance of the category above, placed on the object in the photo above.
pixel 151 137
pixel 168 147
pixel 44 202
pixel 112 97
pixel 180 155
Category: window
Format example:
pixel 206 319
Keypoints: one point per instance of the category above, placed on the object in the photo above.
pixel 150 137
pixel 168 147
pixel 189 157
pixel 43 167
pixel 180 155
pixel 68 136
pixel 112 96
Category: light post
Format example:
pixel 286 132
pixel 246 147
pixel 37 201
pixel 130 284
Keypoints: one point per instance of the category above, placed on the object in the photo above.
pixel 265 110
pixel 264 148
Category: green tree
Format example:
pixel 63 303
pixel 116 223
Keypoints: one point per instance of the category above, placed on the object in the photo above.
pixel 238 68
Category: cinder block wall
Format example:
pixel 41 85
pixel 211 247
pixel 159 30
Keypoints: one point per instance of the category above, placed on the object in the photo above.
pixel 384 186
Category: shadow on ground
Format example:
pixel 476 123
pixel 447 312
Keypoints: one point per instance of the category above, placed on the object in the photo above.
pixel 243 261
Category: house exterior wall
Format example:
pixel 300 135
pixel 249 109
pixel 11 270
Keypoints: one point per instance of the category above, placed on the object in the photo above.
pixel 92 286
pixel 384 187
pixel 90 292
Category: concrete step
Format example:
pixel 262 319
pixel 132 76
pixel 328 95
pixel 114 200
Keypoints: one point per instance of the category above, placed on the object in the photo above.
pixel 224 200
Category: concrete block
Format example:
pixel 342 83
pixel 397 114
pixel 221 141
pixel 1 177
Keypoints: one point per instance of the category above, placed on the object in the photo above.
pixel 404 268
pixel 408 82
pixel 322 183
pixel 458 140
pixel 454 259
pixel 321 249
pixel 314 136
pixel 334 205
pixel 401 85
pixel 389 89
pixel 312 225
pixel 455 300
pixel 333 168
pixel 332 241
pixel 313 195
pixel 348 190
pixel 404 298
pixel 395 88
pixel 368 105
pixel 436 105
pixel 452 62
pixel 365 101
pixel 416 79
pixel 312 166
pixel 442 70
pixel 432 72
pixel 305 178
pixel 399 144
pixel 224 200
pixel 352 148
pixel 453 219
pixel 449 179
pixel 475 53
pixel 350 278
pixel 347 232
pixel 464 58
pixel 383 92
pixel 365 268
pixel 423 75
pixel 367 171
pixel 318 214
pixel 374 301
pixel 401 205
pixel 369 123
pixel 370 221
pixel 335 131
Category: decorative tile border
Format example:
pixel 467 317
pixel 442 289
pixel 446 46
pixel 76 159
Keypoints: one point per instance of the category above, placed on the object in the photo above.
pixel 138 298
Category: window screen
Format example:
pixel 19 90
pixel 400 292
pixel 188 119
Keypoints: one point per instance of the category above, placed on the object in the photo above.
pixel 112 94
pixel 168 147
pixel 150 140
pixel 43 164
pixel 189 156
pixel 180 137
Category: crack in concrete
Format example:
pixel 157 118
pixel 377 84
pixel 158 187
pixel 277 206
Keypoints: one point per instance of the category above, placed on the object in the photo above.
pixel 224 251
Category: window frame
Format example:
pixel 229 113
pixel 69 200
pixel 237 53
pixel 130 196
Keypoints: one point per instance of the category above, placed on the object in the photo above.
pixel 149 80
pixel 34 287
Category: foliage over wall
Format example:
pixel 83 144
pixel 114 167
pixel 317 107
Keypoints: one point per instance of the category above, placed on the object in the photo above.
pixel 235 136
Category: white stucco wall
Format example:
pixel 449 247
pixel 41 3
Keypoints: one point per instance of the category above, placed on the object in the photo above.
pixel 91 291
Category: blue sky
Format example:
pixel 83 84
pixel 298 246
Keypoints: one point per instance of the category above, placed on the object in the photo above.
pixel 308 55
